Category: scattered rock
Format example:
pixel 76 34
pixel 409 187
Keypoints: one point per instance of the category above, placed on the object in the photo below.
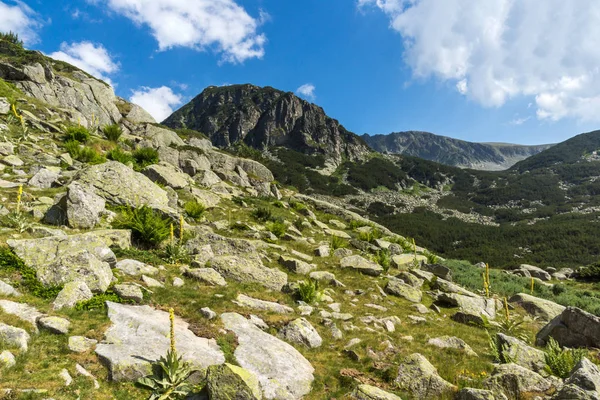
pixel 470 308
pixel 135 268
pixel 368 392
pixel 54 324
pixel 249 270
pixel 208 313
pixel 82 371
pixel 323 251
pixel 362 265
pixel 178 282
pixel 8 290
pixel 583 384
pixel 532 271
pixel 417 376
pixel 438 270
pixel 229 381
pixel 572 328
pixel 517 382
pixel 522 354
pixel 397 287
pixel 13 161
pixel 15 337
pixel 151 282
pixel 71 294
pixel 545 310
pixel 302 332
pixel 44 178
pixel 295 265
pixel 64 375
pixel 246 301
pixel 22 311
pixel 7 359
pixel 407 261
pixel 452 342
pixel 479 394
pixel 167 175
pixel 207 275
pixel 81 344
pixel 129 292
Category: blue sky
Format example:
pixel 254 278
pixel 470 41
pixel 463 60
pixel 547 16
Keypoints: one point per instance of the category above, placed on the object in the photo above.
pixel 479 71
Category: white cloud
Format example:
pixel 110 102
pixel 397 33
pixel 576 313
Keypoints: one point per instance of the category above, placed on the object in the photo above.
pixel 221 25
pixel 307 90
pixel 92 58
pixel 159 102
pixel 497 50
pixel 21 19
pixel 519 121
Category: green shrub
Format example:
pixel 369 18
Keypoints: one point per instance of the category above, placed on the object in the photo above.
pixel 147 225
pixel 175 253
pixel 98 302
pixel 277 228
pixel 560 362
pixel 296 205
pixel 194 209
pixel 298 224
pixel 72 147
pixel 308 291
pixel 370 235
pixel 117 154
pixel 11 37
pixel 76 133
pixel 112 132
pixel 89 155
pixel 354 224
pixel 263 214
pixel 337 242
pixel 145 156
pixel 384 258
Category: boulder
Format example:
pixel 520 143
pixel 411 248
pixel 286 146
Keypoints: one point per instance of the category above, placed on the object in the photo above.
pixel 229 381
pixel 323 251
pixel 522 354
pixel 295 265
pixel 246 301
pixel 362 265
pixel 155 136
pixel 410 279
pixel 151 282
pixel 417 376
pixel 206 275
pixel 81 266
pixel 407 261
pixel 479 394
pixel 138 115
pixel 44 178
pixel 544 310
pixel 534 271
pixel 135 268
pixel 80 344
pixel 14 337
pixel 583 384
pixel 54 324
pixel 282 371
pixel 452 342
pixel 249 270
pixel 139 335
pixel 82 206
pixel 397 287
pixel 167 175
pixel 71 294
pixel 7 359
pixel 517 382
pixel 572 328
pixel 446 286
pixel 368 392
pixel 4 106
pixel 23 311
pixel 336 233
pixel 8 290
pixel 438 270
pixel 300 331
pixel 470 308
pixel 129 292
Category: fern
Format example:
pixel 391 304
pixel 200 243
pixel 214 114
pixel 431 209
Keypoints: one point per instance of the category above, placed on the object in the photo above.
pixel 560 362
pixel 146 224
pixel 309 291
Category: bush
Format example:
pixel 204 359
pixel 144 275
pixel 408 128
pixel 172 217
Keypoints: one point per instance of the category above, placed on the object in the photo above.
pixel 119 155
pixel 337 243
pixel 296 205
pixel 560 362
pixel 112 132
pixel 145 156
pixel 263 214
pixel 194 209
pixel 309 291
pixel 175 253
pixel 147 226
pixel 384 258
pixel 277 228
pixel 11 37
pixel 90 156
pixel 76 133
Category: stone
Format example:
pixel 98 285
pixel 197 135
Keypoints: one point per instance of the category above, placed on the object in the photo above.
pixel 8 290
pixel 362 265
pixel 138 115
pixel 167 175
pixel 151 282
pixel 572 328
pixel 410 279
pixel 64 375
pixel 14 337
pixel 420 308
pixel 323 251
pixel 13 161
pixel 207 275
pixel 295 265
pixel 80 344
pixel 300 331
pixel 7 148
pixel 129 292
pixel 229 381
pixel 208 313
pixel 84 207
pixel 71 294
pixel 45 178
pixel 517 382
pixel 54 324
pixel 121 185
pixel 206 178
pixel 544 310
pixel 178 282
pixel 139 335
pixel 368 392
pixel 521 353
pixel 342 253
pixel 135 268
pixel 438 270
pixel 452 342
pixel 336 233
pixel 249 270
pixel 246 301
pixel 324 276
pixel 583 384
pixel 417 376
pixel 4 106
pixel 535 272
pixel 470 308
pixel 23 311
pixel 7 359
pixel 282 371
pixel 407 261
pixel 479 394
pixel 398 288
pixel 82 371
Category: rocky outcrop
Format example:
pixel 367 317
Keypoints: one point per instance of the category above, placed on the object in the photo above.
pixel 517 382
pixel 282 371
pixel 543 309
pixel 417 376
pixel 249 270
pixel 362 265
pixel 139 335
pixel 397 287
pixel 266 117
pixel 572 328
pixel 521 353
pixel 583 384
pixel 301 331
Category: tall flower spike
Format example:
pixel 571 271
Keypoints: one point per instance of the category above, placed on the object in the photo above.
pixel 19 195
pixel 532 284
pixel 172 329
pixel 172 234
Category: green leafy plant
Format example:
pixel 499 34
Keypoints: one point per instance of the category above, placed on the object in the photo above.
pixel 296 205
pixel 337 242
pixel 263 214
pixel 10 262
pixel 277 228
pixel 145 156
pixel 112 132
pixel 498 351
pixel 89 155
pixel 308 291
pixel 369 236
pixel 117 154
pixel 560 362
pixel 17 221
pixel 175 253
pixel 147 226
pixel 169 379
pixel 76 133
pixel 98 302
pixel 194 209
pixel 384 258
pixel 431 258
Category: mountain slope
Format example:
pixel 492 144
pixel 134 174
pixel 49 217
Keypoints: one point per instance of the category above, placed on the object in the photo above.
pixel 454 152
pixel 265 117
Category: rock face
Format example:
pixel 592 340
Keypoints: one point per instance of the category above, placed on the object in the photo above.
pixel 229 381
pixel 368 392
pixel 86 257
pixel 583 384
pixel 417 376
pixel 302 332
pixel 545 310
pixel 517 382
pixel 572 328
pixel 266 117
pixel 282 371
pixel 140 334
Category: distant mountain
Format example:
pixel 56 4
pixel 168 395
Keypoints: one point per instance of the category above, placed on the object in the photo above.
pixel 454 152
pixel 263 117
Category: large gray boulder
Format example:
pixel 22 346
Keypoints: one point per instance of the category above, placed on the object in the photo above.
pixel 14 337
pixel 397 287
pixel 71 294
pixel 544 310
pixel 532 271
pixel 301 331
pixel 282 371
pixel 583 384
pixel 471 309
pixel 262 305
pixel 120 185
pixel 452 342
pixel 44 178
pixel 517 382
pixel 362 265
pixel 249 270
pixel 137 114
pixel 139 335
pixel 522 354
pixel 368 392
pixel 167 175
pixel 295 265
pixel 441 271
pixel 227 381
pixel 84 207
pixel 417 376
pixel 572 328
pixel 156 136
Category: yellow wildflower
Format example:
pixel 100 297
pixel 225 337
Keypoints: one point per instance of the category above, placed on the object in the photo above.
pixel 19 195
pixel 172 331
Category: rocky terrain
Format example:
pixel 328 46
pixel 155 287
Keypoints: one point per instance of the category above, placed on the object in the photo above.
pixel 454 152
pixel 122 240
